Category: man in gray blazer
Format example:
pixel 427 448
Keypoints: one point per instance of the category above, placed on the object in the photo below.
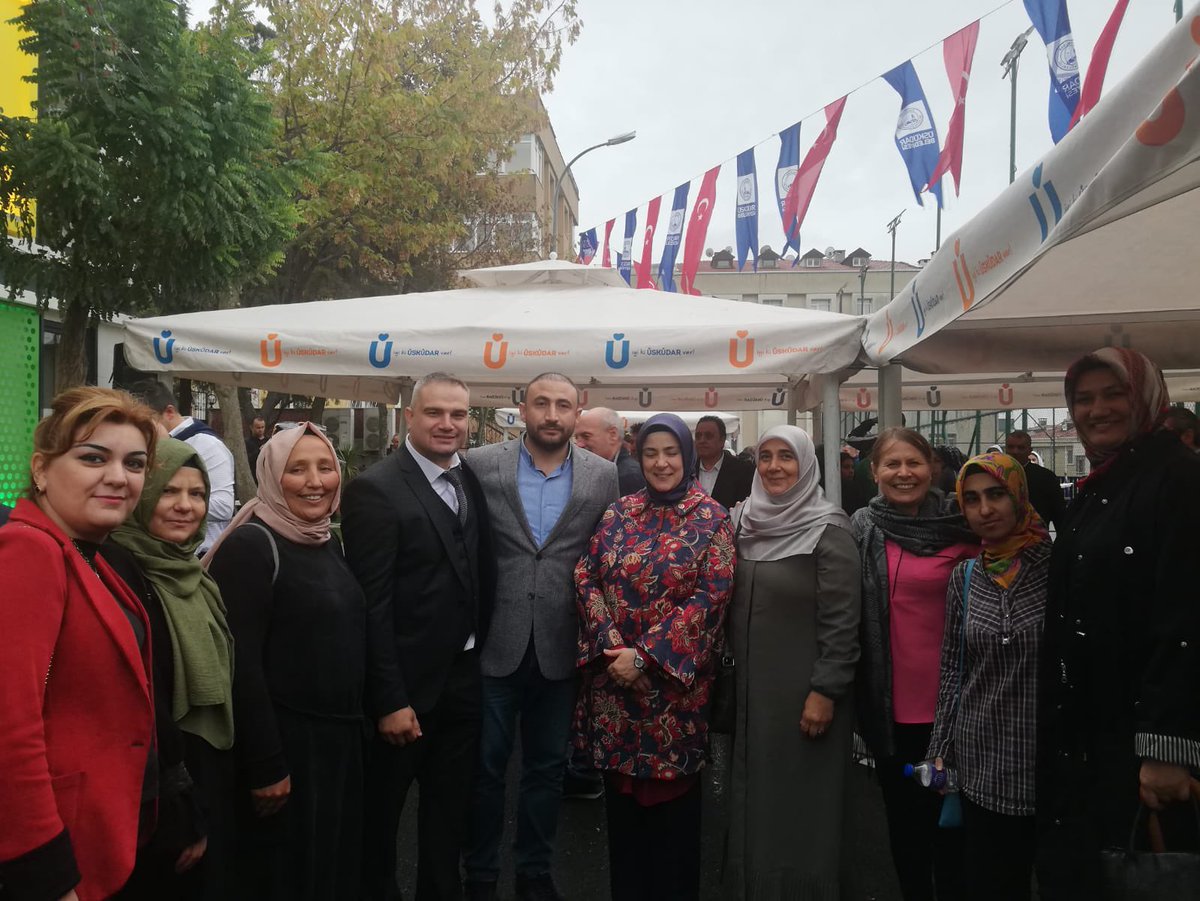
pixel 545 498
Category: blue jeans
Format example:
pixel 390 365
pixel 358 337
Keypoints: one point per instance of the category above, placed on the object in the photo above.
pixel 545 707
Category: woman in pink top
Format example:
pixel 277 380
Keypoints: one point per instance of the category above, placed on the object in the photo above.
pixel 910 542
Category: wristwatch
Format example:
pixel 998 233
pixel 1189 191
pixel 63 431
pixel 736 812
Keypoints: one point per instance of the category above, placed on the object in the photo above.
pixel 639 662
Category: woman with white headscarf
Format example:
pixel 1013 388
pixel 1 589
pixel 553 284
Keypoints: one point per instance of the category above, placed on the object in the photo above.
pixel 793 633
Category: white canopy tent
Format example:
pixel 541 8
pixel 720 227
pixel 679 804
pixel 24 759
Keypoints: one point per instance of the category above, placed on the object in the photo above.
pixel 1094 245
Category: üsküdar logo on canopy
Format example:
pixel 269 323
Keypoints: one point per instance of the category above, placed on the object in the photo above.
pixel 492 359
pixel 164 354
pixel 741 349
pixel 611 358
pixel 270 350
pixel 373 356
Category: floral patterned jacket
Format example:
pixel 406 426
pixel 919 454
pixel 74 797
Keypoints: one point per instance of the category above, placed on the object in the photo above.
pixel 658 579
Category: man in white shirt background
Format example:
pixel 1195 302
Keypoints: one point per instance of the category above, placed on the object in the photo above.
pixel 722 476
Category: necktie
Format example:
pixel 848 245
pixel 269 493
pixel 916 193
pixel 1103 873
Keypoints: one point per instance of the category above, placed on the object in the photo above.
pixel 454 477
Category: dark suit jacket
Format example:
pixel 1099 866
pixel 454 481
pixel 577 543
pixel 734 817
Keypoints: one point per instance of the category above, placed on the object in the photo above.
pixel 1046 495
pixel 404 551
pixel 733 481
pixel 629 473
pixel 4 511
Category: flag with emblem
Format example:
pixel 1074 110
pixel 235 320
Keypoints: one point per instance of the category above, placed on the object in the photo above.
pixel 804 185
pixel 916 135
pixel 697 230
pixel 666 266
pixel 587 246
pixel 747 209
pixel 1053 25
pixel 785 172
pixel 645 266
pixel 625 257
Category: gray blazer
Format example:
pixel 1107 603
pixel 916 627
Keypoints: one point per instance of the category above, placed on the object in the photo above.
pixel 535 587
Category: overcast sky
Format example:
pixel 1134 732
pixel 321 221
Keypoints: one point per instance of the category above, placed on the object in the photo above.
pixel 702 81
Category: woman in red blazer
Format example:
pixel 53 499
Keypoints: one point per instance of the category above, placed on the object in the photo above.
pixel 76 713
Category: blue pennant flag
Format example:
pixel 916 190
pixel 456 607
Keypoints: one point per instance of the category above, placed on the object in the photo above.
pixel 666 266
pixel 747 209
pixel 785 172
pixel 916 135
pixel 1050 19
pixel 588 244
pixel 625 257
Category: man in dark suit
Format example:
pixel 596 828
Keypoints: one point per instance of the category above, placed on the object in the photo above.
pixel 723 476
pixel 600 431
pixel 1045 493
pixel 417 536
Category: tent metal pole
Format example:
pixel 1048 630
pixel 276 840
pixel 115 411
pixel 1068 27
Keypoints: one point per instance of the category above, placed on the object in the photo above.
pixel 406 386
pixel 831 434
pixel 891 385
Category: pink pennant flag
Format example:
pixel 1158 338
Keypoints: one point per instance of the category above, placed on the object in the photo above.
pixel 645 268
pixel 1093 82
pixel 697 230
pixel 605 259
pixel 958 52
pixel 800 194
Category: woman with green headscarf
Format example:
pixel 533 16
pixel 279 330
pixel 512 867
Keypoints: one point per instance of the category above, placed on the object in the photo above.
pixel 154 551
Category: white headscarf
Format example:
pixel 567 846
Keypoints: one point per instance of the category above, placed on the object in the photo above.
pixel 789 524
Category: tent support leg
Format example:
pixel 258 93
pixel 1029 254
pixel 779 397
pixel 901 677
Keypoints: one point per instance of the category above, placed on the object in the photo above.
pixel 890 401
pixel 405 399
pixel 831 432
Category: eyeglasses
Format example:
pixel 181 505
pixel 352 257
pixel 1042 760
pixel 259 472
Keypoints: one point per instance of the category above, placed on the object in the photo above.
pixel 289 424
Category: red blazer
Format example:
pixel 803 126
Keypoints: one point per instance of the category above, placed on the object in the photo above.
pixel 76 713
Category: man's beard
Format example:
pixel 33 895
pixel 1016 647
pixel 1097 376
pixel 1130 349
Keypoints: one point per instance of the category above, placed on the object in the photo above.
pixel 549 445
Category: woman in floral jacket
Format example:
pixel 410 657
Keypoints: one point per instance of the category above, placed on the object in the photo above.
pixel 652 591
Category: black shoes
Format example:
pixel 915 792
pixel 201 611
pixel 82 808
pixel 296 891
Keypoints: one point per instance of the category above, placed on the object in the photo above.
pixel 537 888
pixel 583 788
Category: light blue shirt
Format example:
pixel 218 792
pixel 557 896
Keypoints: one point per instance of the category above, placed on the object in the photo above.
pixel 543 497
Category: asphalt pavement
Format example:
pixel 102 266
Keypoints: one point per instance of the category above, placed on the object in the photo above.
pixel 581 861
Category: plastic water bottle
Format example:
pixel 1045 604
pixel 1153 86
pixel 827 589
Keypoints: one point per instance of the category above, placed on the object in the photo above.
pixel 931 777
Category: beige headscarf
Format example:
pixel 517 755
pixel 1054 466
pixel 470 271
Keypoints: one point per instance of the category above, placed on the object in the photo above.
pixel 789 524
pixel 270 505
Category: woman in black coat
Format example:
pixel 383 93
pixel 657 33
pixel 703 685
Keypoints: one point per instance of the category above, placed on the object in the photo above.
pixel 1119 690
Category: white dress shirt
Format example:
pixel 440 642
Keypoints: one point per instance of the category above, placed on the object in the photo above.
pixel 708 477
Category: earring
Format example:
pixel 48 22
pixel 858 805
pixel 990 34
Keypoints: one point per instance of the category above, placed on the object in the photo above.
pixel 41 488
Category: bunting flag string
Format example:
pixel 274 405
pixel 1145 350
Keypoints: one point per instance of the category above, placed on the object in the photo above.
pixel 666 266
pixel 1053 25
pixel 916 135
pixel 587 246
pixel 697 230
pixel 785 172
pixel 1093 82
pixel 799 196
pixel 746 213
pixel 958 52
pixel 605 259
pixel 645 273
pixel 625 257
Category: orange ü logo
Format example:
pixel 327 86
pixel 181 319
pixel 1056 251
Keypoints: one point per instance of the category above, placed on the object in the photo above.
pixel 271 350
pixel 495 362
pixel 966 287
pixel 741 356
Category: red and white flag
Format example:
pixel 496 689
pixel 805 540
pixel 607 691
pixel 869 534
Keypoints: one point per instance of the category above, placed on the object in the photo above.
pixel 645 268
pixel 605 259
pixel 958 52
pixel 1093 82
pixel 800 194
pixel 697 230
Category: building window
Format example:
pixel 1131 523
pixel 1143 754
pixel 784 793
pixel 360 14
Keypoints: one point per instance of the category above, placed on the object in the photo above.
pixel 1081 466
pixel 772 300
pixel 1070 455
pixel 811 262
pixel 722 264
pixel 821 303
pixel 864 305
pixel 857 262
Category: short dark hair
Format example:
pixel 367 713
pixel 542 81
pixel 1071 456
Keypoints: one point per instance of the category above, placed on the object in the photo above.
pixel 1180 420
pixel 155 395
pixel 908 436
pixel 553 377
pixel 715 420
pixel 1019 433
pixel 443 378
pixel 258 417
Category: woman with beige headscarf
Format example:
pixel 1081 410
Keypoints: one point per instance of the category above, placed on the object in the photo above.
pixel 793 633
pixel 299 625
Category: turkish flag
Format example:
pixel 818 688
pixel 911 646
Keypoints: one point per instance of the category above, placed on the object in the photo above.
pixel 958 51
pixel 697 230
pixel 645 268
pixel 804 185
pixel 1093 83
pixel 605 259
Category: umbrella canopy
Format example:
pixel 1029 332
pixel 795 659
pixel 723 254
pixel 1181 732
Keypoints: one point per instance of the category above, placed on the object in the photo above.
pixel 621 343
pixel 1094 245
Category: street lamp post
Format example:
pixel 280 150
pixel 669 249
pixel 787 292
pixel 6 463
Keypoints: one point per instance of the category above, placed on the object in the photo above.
pixel 862 289
pixel 611 142
pixel 1010 61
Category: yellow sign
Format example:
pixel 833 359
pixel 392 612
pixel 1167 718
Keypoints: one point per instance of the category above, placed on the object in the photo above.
pixel 16 94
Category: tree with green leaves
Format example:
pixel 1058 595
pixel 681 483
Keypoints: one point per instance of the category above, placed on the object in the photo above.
pixel 153 163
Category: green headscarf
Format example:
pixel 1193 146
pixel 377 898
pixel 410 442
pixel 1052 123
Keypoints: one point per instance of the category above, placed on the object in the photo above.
pixel 202 703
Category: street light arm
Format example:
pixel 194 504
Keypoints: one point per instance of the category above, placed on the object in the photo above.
pixel 619 139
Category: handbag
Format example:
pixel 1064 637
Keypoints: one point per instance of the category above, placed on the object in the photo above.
pixel 1132 875
pixel 952 812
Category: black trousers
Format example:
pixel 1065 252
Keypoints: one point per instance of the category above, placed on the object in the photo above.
pixel 999 853
pixel 443 763
pixel 653 852
pixel 928 859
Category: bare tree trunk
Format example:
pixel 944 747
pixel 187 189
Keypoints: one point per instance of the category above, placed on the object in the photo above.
pixel 233 419
pixel 70 361
pixel 318 410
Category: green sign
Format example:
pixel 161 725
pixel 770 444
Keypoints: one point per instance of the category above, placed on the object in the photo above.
pixel 19 328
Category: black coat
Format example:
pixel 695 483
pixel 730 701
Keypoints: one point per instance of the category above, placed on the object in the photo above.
pixel 629 473
pixel 1046 495
pixel 402 542
pixel 733 481
pixel 1120 668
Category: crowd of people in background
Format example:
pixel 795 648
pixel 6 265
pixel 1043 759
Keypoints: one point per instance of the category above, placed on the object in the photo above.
pixel 197 704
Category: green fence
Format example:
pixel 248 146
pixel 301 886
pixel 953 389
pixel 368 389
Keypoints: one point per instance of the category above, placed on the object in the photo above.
pixel 18 397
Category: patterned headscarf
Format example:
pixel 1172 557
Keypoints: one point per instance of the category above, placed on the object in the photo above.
pixel 1002 559
pixel 1148 396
